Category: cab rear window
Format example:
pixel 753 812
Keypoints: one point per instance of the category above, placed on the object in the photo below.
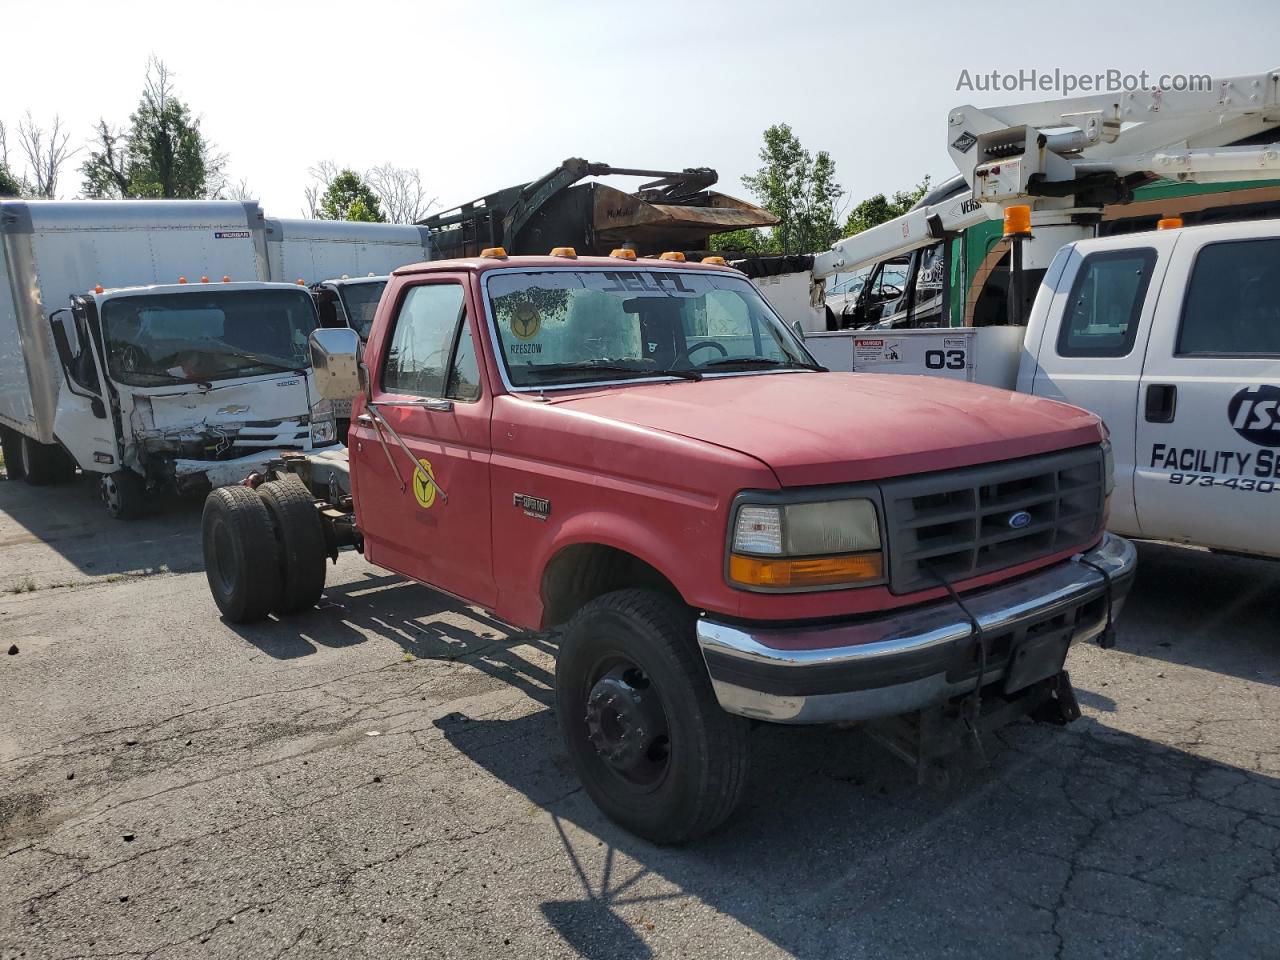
pixel 1105 304
pixel 1232 306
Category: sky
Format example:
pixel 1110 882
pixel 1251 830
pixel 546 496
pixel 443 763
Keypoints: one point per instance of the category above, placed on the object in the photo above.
pixel 483 95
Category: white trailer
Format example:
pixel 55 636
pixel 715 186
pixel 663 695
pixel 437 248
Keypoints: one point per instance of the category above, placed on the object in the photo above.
pixel 309 251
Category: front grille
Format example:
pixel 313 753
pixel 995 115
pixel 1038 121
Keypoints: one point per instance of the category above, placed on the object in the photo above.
pixel 956 523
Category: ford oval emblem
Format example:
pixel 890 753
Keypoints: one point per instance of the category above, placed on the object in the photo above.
pixel 1019 520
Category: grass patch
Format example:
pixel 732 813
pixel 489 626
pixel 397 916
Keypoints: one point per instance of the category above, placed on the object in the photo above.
pixel 26 585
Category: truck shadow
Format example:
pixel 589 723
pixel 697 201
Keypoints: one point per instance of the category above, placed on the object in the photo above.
pixel 1208 610
pixel 837 852
pixel 425 624
pixel 58 533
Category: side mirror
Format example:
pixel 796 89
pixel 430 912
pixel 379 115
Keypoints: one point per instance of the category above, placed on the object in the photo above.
pixel 798 327
pixel 64 335
pixel 335 358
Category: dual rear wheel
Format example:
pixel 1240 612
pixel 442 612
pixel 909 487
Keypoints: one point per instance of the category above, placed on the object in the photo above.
pixel 264 549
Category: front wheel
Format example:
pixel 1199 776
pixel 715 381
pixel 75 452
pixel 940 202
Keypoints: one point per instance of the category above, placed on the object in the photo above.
pixel 124 494
pixel 641 724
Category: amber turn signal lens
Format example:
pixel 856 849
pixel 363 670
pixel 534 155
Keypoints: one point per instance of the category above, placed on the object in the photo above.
pixel 841 569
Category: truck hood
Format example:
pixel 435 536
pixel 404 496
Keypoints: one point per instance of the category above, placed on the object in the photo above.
pixel 235 404
pixel 816 428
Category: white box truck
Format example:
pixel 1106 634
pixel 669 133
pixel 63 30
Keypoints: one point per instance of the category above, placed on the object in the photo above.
pixel 55 250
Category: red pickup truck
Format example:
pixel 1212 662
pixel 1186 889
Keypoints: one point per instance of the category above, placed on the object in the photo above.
pixel 643 452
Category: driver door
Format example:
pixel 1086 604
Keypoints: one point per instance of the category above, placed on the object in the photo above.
pixel 429 387
pixel 82 421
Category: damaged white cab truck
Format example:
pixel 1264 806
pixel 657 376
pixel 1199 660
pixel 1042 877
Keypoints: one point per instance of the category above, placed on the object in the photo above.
pixel 176 386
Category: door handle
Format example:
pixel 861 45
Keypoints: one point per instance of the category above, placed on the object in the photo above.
pixel 1162 402
pixel 365 420
pixel 439 406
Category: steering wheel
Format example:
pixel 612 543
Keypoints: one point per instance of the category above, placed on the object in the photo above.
pixel 708 343
pixel 132 358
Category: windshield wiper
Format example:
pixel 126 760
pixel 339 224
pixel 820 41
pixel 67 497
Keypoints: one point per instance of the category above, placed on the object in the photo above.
pixel 541 368
pixel 260 362
pixel 762 362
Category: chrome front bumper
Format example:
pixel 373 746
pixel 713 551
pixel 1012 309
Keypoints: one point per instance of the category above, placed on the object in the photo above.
pixel 906 659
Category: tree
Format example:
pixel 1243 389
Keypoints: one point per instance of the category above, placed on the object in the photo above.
pixel 746 240
pixel 879 208
pixel 348 197
pixel 46 151
pixel 797 188
pixel 401 193
pixel 392 194
pixel 163 153
pixel 10 186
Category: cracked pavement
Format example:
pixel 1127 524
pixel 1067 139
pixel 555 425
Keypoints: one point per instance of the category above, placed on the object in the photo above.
pixel 382 777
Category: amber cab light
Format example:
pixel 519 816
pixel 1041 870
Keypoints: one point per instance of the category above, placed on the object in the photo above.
pixel 567 252
pixel 622 253
pixel 672 255
pixel 793 572
pixel 1168 223
pixel 496 253
pixel 717 261
pixel 1017 220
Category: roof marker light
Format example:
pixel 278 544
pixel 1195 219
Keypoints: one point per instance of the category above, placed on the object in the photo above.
pixel 1168 223
pixel 97 288
pixel 497 253
pixel 204 279
pixel 622 253
pixel 567 252
pixel 300 282
pixel 182 279
pixel 226 279
pixel 716 261
pixel 675 255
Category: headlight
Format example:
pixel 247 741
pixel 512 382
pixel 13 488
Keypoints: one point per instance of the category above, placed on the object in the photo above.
pixel 1108 467
pixel 322 432
pixel 800 546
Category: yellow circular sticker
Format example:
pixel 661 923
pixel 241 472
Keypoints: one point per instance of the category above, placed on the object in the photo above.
pixel 424 492
pixel 525 321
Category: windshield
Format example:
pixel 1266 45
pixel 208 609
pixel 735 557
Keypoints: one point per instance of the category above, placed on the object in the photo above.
pixel 582 326
pixel 156 339
pixel 360 301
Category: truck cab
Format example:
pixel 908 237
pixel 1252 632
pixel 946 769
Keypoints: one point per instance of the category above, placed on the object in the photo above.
pixel 349 302
pixel 622 449
pixel 183 385
pixel 1173 338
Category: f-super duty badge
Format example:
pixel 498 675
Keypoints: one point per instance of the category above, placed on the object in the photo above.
pixel 535 507
pixel 1255 414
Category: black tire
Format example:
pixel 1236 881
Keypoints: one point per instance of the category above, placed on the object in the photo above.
pixel 241 558
pixel 705 765
pixel 11 447
pixel 41 464
pixel 300 542
pixel 124 494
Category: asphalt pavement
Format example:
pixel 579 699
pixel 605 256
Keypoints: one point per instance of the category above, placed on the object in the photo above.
pixel 382 777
